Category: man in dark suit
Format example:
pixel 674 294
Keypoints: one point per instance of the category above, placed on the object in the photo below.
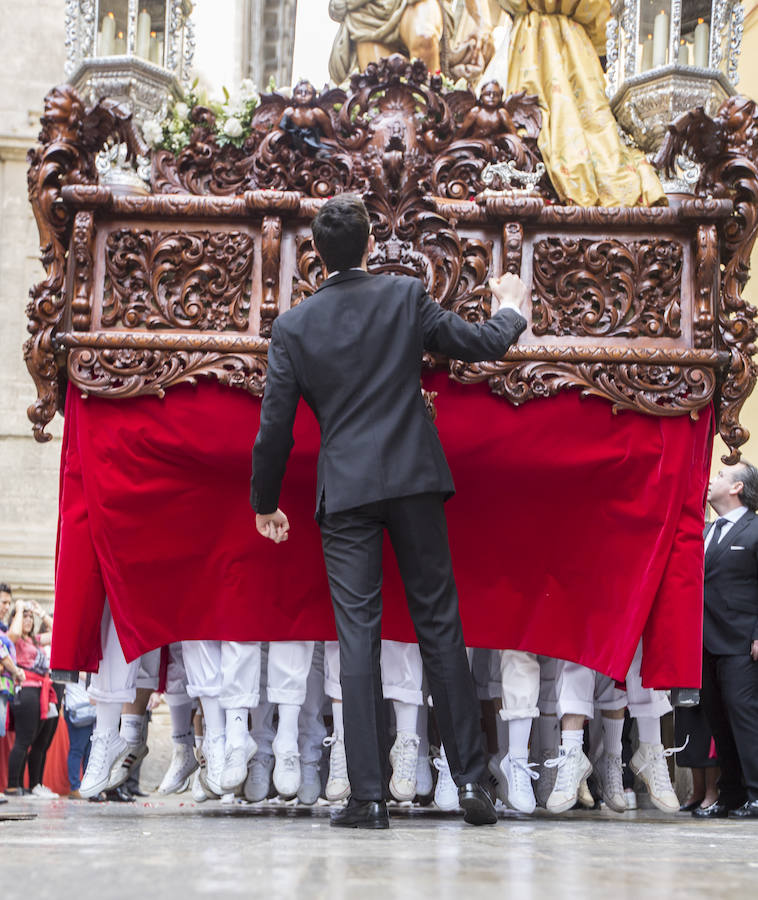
pixel 354 352
pixel 730 638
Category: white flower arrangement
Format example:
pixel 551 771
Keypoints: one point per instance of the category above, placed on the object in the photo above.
pixel 233 117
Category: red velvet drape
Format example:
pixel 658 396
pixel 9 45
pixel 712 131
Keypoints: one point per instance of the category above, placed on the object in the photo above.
pixel 573 531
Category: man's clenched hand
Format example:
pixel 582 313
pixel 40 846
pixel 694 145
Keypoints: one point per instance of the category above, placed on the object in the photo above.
pixel 274 526
pixel 509 291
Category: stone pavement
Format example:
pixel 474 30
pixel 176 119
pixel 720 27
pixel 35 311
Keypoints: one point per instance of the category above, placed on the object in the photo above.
pixel 174 848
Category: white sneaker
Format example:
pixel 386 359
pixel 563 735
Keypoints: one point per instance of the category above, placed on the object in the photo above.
pixel 258 781
pixel 519 775
pixel 213 753
pixel 120 774
pixel 198 791
pixel 584 796
pixel 236 759
pixel 44 793
pixel 287 773
pixel 337 785
pixel 571 769
pixel 446 791
pixel 108 752
pixel 424 780
pixel 649 762
pixel 310 784
pixel 611 781
pixel 544 787
pixel 404 761
pixel 183 764
pixel 631 798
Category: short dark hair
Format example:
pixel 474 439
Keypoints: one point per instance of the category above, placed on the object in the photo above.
pixel 748 475
pixel 340 232
pixel 5 588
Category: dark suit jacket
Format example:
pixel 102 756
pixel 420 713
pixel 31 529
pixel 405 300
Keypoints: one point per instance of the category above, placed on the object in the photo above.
pixel 353 351
pixel 731 590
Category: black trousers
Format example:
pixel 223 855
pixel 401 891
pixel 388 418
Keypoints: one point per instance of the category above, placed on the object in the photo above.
pixel 729 697
pixel 352 542
pixel 31 739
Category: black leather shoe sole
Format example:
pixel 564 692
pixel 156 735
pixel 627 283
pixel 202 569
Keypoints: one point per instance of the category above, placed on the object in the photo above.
pixel 477 808
pixel 372 824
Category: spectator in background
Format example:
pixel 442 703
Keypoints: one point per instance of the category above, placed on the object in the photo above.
pixel 32 705
pixel 10 673
pixel 79 712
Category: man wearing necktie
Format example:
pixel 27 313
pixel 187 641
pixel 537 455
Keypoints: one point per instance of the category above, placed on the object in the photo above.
pixel 730 639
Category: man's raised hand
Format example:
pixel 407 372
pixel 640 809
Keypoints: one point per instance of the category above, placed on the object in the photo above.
pixel 275 526
pixel 509 291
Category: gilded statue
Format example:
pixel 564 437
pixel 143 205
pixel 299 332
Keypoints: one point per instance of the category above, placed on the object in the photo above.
pixel 422 29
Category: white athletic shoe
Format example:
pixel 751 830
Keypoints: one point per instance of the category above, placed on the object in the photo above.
pixel 287 773
pixel 519 775
pixel 404 761
pixel 544 787
pixel 198 791
pixel 236 759
pixel 649 763
pixel 337 785
pixel 631 798
pixel 120 774
pixel 584 796
pixel 213 753
pixel 424 780
pixel 107 753
pixel 608 770
pixel 310 785
pixel 181 767
pixel 446 791
pixel 258 782
pixel 571 769
pixel 44 793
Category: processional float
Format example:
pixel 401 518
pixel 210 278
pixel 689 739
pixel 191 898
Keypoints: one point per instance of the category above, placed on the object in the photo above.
pixel 581 457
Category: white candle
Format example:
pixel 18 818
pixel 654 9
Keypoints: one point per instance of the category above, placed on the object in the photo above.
pixel 107 34
pixel 684 54
pixel 154 48
pixel 660 38
pixel 702 37
pixel 119 45
pixel 159 53
pixel 647 54
pixel 144 24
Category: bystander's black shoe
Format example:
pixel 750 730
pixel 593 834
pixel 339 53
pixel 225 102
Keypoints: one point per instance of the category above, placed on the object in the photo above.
pixel 362 814
pixel 476 805
pixel 717 810
pixel 748 810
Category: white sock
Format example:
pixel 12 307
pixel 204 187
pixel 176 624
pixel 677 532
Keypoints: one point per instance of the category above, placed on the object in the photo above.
pixel 612 729
pixel 548 731
pixel 518 738
pixel 649 728
pixel 406 716
pixel 181 723
pixel 287 729
pixel 571 739
pixel 108 716
pixel 214 716
pixel 236 726
pixel 339 728
pixel 133 728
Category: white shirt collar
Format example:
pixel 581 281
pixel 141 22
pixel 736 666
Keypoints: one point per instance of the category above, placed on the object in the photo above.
pixel 734 514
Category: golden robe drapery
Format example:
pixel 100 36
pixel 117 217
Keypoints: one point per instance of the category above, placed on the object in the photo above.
pixel 554 54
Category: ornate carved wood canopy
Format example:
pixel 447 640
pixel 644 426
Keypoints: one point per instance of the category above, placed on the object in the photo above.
pixel 640 306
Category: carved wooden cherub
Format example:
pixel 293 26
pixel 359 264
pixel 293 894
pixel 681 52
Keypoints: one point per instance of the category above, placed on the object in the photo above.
pixel 306 123
pixel 489 117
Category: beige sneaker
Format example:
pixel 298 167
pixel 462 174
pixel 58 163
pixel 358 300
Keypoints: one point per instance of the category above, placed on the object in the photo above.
pixel 571 769
pixel 337 785
pixel 649 763
pixel 404 761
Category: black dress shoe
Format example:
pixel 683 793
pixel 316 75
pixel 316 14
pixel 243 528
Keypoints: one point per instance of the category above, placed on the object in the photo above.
pixel 748 810
pixel 476 805
pixel 136 792
pixel 688 807
pixel 717 810
pixel 362 814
